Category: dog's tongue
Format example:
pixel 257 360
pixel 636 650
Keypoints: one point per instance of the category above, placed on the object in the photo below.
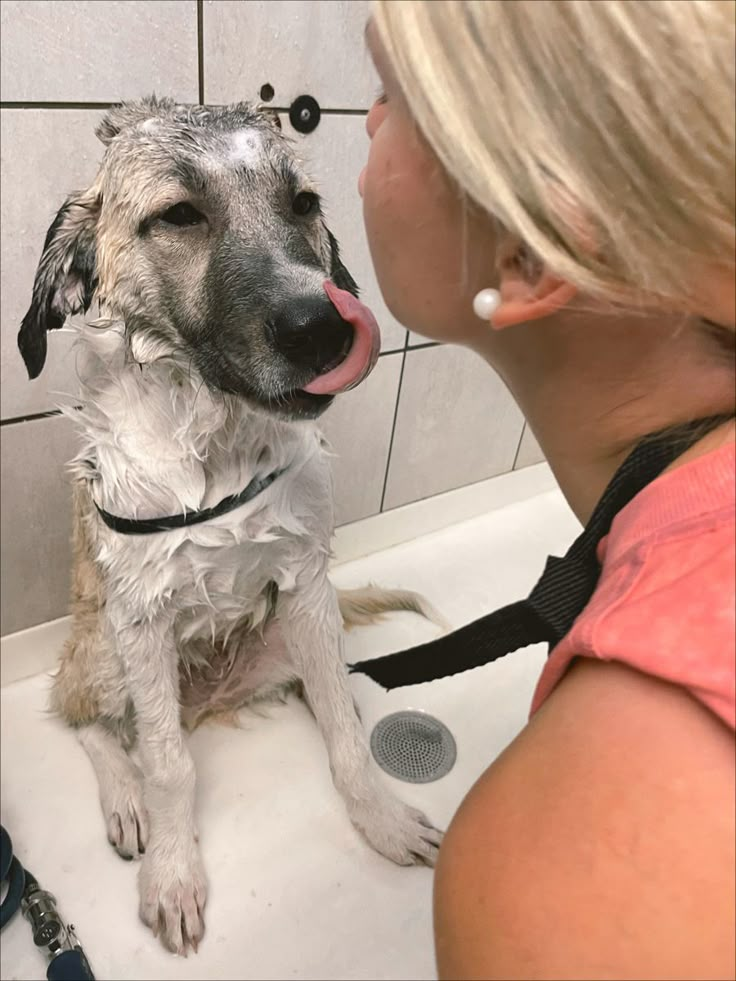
pixel 363 354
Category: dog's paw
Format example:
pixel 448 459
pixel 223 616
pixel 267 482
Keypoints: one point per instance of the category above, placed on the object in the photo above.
pixel 126 817
pixel 396 830
pixel 172 896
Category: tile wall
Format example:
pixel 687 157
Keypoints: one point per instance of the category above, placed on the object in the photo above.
pixel 429 419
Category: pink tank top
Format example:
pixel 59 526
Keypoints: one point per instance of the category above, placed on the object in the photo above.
pixel 665 603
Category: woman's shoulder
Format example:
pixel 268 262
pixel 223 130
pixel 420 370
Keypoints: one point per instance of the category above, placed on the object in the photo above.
pixel 599 844
pixel 665 600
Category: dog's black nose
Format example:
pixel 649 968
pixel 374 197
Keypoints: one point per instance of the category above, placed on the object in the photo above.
pixel 310 333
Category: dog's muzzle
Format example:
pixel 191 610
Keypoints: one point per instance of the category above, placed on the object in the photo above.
pixel 310 333
pixel 334 336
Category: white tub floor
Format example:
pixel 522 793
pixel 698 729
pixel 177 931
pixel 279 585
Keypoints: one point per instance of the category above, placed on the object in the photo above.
pixel 293 890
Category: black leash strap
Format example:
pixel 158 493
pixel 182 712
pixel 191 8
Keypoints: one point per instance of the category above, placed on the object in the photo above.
pixel 150 526
pixel 561 594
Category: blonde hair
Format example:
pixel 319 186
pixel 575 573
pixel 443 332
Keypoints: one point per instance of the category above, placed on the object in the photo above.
pixel 579 121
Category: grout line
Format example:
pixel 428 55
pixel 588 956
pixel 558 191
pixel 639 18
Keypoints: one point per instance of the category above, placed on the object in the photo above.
pixel 108 105
pixel 518 447
pixel 396 416
pixel 284 110
pixel 420 347
pixel 57 105
pixel 200 50
pixel 451 490
pixel 32 417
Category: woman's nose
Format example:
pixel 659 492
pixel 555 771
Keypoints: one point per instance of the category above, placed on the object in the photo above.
pixel 361 182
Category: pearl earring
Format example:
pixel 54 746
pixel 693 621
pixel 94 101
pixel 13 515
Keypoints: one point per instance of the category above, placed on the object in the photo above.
pixel 486 303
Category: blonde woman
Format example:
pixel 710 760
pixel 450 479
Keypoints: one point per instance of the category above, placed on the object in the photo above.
pixel 552 185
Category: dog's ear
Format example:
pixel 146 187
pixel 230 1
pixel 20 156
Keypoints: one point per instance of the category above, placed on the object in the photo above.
pixel 338 273
pixel 66 278
pixel 129 114
pixel 271 116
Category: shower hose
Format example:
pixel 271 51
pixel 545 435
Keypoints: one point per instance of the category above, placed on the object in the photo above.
pixel 50 933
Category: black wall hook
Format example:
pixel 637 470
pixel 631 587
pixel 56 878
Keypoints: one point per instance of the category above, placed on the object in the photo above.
pixel 305 114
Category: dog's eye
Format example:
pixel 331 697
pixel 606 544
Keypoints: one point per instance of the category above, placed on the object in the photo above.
pixel 182 214
pixel 305 203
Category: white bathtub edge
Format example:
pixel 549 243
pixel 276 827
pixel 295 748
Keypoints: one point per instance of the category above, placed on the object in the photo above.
pixel 32 651
pixel 404 524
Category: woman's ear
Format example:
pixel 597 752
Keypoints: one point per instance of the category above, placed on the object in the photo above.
pixel 529 291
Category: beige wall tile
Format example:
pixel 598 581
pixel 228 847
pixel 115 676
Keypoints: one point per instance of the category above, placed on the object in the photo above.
pixel 35 521
pixel 358 425
pixel 298 48
pixel 456 424
pixel 97 50
pixel 45 154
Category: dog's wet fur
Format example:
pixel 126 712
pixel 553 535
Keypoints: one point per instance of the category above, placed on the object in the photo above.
pixel 199 239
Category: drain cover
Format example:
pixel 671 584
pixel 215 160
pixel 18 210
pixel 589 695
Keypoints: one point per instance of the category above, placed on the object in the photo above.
pixel 413 746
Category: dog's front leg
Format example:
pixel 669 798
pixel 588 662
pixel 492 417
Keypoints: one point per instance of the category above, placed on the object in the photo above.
pixel 312 626
pixel 171 880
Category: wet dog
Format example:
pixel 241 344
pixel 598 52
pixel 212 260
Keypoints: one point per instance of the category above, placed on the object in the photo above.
pixel 203 502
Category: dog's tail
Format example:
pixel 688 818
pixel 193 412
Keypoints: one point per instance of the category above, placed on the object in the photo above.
pixel 360 607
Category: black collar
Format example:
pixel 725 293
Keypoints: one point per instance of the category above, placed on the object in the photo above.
pixel 150 526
